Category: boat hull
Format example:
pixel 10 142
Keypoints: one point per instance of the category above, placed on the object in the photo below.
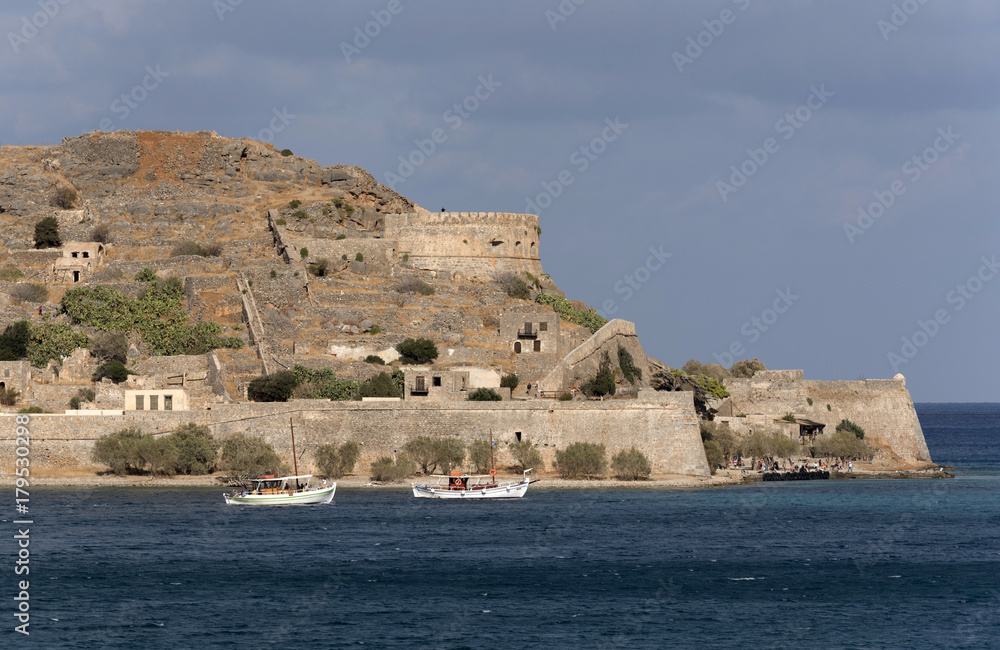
pixel 510 491
pixel 311 497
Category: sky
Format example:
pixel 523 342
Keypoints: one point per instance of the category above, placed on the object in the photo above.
pixel 807 183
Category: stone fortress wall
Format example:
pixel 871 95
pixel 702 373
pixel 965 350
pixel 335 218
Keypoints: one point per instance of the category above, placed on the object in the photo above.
pixel 882 407
pixel 661 425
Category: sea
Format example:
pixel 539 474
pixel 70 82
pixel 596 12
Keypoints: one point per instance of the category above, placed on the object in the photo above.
pixel 815 564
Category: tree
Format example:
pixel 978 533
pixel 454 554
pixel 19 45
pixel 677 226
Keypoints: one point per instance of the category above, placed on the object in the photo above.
pixel 847 425
pixel 417 351
pixel 197 451
pixel 110 346
pixel 47 233
pixel 485 395
pixel 603 382
pixel 630 371
pixel 388 471
pixel 631 465
pixel 526 454
pixel 713 370
pixel 480 455
pixel 146 275
pixel 746 368
pixel 714 455
pixel 381 385
pixel 582 460
pixel 120 450
pixel 14 341
pixel 704 388
pixel 513 285
pixel 113 370
pixel 9 396
pixel 334 462
pixel 429 453
pixel 510 381
pixel 247 456
pixel 272 388
pixel 65 198
pixel 100 234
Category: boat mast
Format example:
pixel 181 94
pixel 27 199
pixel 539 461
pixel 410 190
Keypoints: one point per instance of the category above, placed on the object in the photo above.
pixel 493 468
pixel 295 460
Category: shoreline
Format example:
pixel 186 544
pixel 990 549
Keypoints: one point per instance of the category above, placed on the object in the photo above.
pixel 723 478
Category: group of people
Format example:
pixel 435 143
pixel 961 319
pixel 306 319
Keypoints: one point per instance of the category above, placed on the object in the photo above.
pixel 761 466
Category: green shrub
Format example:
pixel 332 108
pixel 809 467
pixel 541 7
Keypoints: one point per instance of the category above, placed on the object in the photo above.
pixel 319 267
pixel 100 234
pixel 414 285
pixel 30 292
pixel 629 369
pixel 272 388
pixel 303 252
pixel 513 285
pixel 711 370
pixel 714 455
pixel 32 409
pixel 566 397
pixel 340 236
pixel 293 204
pixel 287 152
pixel 376 329
pixel 338 203
pixel 406 257
pixel 82 395
pixel 47 233
pixel 843 444
pixel 417 351
pixel 631 465
pixel 828 408
pixel 510 381
pixel 788 417
pixel 146 275
pixel 9 396
pixel 120 451
pixel 344 257
pixel 382 385
pixel 385 470
pixel 300 214
pixel 322 384
pixel 53 341
pixel 527 455
pixel 746 368
pixel 430 453
pixel 359 258
pixel 14 341
pixel 274 274
pixel 246 456
pixel 603 382
pixel 847 425
pixel 485 395
pixel 588 318
pixel 582 460
pixel 280 222
pixel 809 400
pixel 480 455
pixel 373 358
pixel 9 274
pixel 65 198
pixel 113 370
pixel 334 462
pixel 197 451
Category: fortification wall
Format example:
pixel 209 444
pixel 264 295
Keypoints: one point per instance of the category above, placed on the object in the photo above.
pixel 663 426
pixel 475 244
pixel 883 407
pixel 582 363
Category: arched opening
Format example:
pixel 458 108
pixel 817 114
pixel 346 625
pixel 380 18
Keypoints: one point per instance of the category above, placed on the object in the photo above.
pixel 517 347
pixel 531 251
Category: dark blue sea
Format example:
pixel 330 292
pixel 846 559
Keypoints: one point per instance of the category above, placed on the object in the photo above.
pixel 822 564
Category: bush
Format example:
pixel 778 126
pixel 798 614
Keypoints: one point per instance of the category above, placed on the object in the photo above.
pixel 53 341
pixel 47 233
pixel 65 198
pixel 588 318
pixel 510 381
pixel 414 285
pixel 376 329
pixel 582 460
pixel 303 252
pixel 629 369
pixel 417 351
pixel 100 234
pixel 82 395
pixel 272 388
pixel 113 370
pixel 788 417
pixel 603 382
pixel 385 470
pixel 300 214
pixel 406 257
pixel 359 258
pixel 120 451
pixel 194 248
pixel 631 465
pixel 382 385
pixel 809 400
pixel 14 341
pixel 746 368
pixel 294 203
pixel 847 425
pixel 843 444
pixel 711 370
pixel 340 236
pixel 513 285
pixel 322 384
pixel 9 396
pixel 110 346
pixel 714 455
pixel 566 397
pixel 319 267
pixel 429 453
pixel 274 274
pixel 287 152
pixel 197 451
pixel 29 292
pixel 246 456
pixel 828 408
pixel 480 455
pixel 146 275
pixel 9 274
pixel 485 395
pixel 334 462
pixel 375 359
pixel 32 409
pixel 280 222
pixel 527 455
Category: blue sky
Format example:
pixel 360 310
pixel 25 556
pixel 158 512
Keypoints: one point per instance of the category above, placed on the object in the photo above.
pixel 810 183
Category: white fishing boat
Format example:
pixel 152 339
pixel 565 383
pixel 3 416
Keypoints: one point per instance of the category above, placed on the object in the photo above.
pixel 271 490
pixel 472 486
